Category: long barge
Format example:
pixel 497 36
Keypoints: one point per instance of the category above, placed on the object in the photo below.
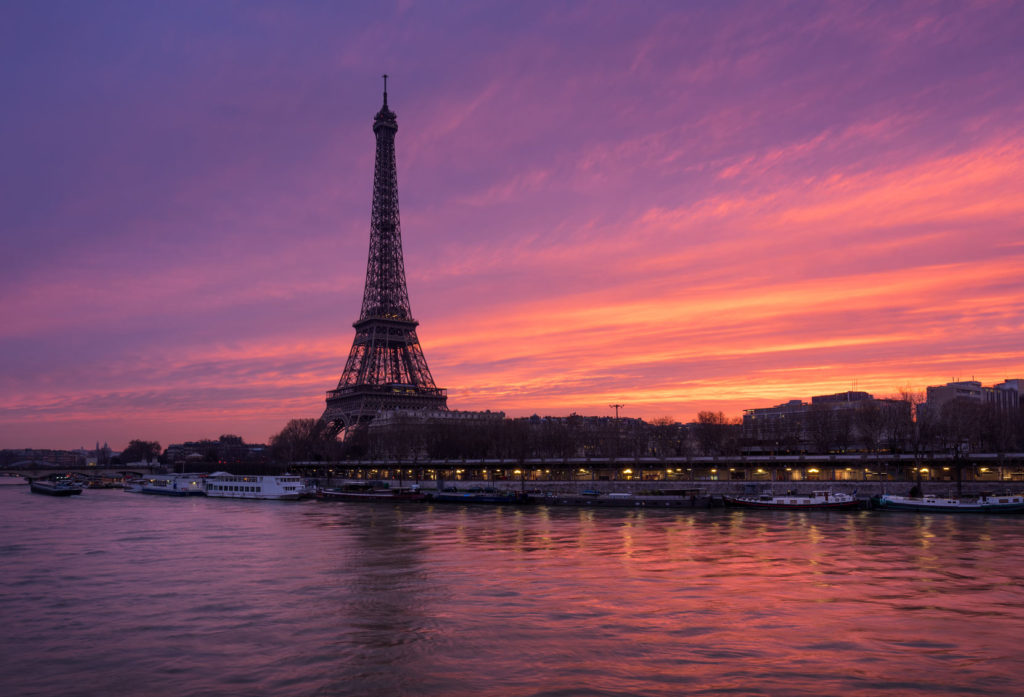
pixel 826 500
pixel 929 503
pixel 54 487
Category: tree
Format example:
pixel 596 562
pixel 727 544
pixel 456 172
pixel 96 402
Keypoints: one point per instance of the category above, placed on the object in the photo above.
pixel 998 429
pixel 711 431
pixel 870 422
pixel 842 429
pixel 820 427
pixel 304 440
pixel 917 430
pixel 961 424
pixel 141 451
pixel 665 433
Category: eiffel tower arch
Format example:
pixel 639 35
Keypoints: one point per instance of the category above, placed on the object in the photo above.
pixel 386 369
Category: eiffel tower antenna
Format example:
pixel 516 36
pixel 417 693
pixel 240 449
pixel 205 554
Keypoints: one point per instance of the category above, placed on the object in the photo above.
pixel 386 369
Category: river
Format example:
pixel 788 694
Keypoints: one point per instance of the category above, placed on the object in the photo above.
pixel 111 593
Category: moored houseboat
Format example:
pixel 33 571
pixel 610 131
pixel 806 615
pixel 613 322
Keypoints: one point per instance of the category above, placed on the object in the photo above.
pixel 59 486
pixel 984 503
pixel 369 492
pixel 493 496
pixel 688 498
pixel 173 485
pixel 794 501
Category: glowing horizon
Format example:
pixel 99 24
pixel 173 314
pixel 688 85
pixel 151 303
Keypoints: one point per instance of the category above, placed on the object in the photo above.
pixel 714 207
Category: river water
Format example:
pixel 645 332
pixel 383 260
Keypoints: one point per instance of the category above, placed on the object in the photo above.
pixel 111 593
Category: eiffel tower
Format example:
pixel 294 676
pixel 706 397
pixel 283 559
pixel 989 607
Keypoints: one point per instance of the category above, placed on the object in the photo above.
pixel 385 369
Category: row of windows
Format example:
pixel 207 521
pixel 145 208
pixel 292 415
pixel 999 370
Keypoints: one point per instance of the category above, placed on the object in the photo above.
pixel 255 479
pixel 218 487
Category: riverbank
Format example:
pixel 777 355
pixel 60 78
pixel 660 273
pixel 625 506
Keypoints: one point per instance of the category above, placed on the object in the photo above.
pixel 863 489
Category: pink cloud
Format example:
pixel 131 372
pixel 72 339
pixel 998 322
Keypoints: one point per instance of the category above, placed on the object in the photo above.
pixel 713 207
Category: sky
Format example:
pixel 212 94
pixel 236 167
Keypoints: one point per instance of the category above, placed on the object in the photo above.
pixel 676 206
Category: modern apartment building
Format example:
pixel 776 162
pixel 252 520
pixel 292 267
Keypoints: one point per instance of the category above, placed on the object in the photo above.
pixel 828 423
pixel 1005 397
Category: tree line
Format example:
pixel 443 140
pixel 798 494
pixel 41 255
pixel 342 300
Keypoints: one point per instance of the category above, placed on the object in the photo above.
pixel 818 430
pixel 960 425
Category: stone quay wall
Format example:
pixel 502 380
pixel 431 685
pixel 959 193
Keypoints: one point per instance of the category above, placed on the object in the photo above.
pixel 863 489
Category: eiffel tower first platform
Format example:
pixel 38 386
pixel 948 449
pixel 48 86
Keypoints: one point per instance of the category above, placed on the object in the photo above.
pixel 386 369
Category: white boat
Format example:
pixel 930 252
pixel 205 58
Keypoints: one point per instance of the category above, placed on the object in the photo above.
pixel 173 485
pixel 255 486
pixel 134 486
pixel 984 503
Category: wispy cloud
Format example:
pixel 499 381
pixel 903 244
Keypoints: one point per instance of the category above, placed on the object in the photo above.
pixel 722 206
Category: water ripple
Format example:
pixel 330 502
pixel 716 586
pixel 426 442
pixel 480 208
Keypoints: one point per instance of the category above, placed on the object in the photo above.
pixel 126 594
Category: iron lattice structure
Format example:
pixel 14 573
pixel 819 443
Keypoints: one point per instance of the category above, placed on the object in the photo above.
pixel 386 368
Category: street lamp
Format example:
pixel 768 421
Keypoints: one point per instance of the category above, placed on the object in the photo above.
pixel 616 407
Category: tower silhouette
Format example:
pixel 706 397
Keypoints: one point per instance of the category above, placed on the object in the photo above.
pixel 386 368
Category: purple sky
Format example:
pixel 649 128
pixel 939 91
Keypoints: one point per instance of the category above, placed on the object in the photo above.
pixel 668 205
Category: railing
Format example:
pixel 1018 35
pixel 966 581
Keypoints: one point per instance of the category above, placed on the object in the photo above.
pixel 391 390
pixel 712 460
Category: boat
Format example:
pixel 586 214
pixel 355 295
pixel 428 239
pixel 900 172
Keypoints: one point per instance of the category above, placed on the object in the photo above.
pixel 255 486
pixel 984 503
pixel 61 486
pixel 369 492
pixel 134 486
pixel 173 485
pixel 481 496
pixel 794 501
pixel 694 498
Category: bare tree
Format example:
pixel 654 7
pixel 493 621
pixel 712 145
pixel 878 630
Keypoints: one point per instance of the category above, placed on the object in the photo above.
pixel 960 429
pixel 716 434
pixel 665 436
pixel 842 429
pixel 870 423
pixel 304 440
pixel 917 430
pixel 997 429
pixel 820 427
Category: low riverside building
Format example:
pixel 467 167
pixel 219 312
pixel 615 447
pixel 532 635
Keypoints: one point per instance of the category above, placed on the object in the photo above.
pixel 226 450
pixel 44 456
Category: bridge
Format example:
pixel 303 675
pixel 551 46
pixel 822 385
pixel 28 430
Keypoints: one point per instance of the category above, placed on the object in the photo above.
pixel 36 470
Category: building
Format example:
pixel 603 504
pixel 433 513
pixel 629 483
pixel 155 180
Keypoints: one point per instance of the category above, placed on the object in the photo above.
pixel 223 451
pixel 838 422
pixel 43 457
pixel 1005 397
